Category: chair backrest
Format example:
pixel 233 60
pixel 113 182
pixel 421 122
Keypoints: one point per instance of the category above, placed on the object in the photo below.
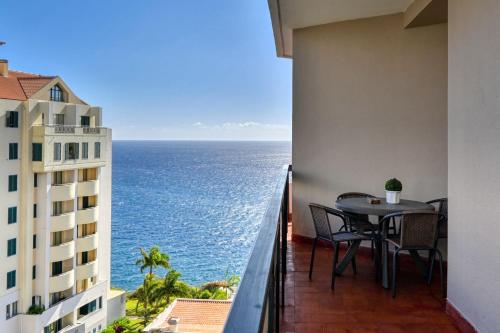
pixel 322 222
pixel 442 208
pixel 348 195
pixel 419 229
pixel 354 218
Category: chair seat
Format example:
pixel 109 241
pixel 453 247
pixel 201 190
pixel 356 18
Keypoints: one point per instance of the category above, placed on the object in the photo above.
pixel 345 236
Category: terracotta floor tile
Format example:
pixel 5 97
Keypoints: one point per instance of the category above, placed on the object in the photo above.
pixel 358 303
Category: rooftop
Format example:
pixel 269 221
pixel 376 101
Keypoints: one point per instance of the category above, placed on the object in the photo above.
pixel 21 86
pixel 194 315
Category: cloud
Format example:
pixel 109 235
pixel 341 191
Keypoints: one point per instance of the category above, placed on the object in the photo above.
pixel 248 124
pixel 249 130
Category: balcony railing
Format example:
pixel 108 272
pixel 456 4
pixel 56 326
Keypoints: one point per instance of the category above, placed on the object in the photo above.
pixel 256 307
pixel 91 130
pixel 64 129
pixel 39 130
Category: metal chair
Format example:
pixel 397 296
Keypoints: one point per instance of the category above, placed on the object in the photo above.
pixel 418 231
pixel 324 232
pixel 442 208
pixel 359 217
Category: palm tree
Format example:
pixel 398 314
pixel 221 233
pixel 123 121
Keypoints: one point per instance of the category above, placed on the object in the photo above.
pixel 144 295
pixel 168 287
pixel 231 282
pixel 152 259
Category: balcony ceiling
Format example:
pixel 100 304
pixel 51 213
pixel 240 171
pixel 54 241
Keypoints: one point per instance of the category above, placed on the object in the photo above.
pixel 287 15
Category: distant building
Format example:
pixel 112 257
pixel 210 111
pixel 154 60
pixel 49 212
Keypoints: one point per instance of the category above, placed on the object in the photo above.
pixel 191 315
pixel 55 185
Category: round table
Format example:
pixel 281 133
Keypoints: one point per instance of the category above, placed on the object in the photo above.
pixel 362 206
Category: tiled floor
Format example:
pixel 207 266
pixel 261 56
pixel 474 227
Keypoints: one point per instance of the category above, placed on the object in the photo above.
pixel 359 303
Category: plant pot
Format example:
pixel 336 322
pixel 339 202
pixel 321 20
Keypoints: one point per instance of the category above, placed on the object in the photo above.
pixel 392 197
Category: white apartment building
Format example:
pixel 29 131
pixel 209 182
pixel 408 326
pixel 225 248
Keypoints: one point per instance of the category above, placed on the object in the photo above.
pixel 55 209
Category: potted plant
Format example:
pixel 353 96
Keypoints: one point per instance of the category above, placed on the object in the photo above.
pixel 393 189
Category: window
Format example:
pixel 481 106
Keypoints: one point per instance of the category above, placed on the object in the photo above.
pixel 71 151
pixel 85 257
pixel 85 121
pixel 12 183
pixel 53 327
pixel 100 302
pixel 11 279
pixel 59 119
pixel 35 208
pixel 12 215
pixel 85 203
pixel 56 268
pixel 11 247
pixel 36 300
pixel 58 178
pixel 97 150
pixel 56 94
pixel 57 151
pixel 36 152
pixel 57 208
pixel 12 119
pixel 13 151
pixel 57 238
pixel 56 297
pixel 11 310
pixel 35 180
pixel 34 241
pixel 33 276
pixel 85 150
pixel 87 308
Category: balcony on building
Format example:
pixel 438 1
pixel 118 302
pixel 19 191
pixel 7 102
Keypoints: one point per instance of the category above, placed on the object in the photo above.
pixel 68 136
pixel 382 89
pixel 87 265
pixel 88 211
pixel 61 280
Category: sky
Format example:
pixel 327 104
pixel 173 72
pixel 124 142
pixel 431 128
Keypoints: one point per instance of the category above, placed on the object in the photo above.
pixel 160 69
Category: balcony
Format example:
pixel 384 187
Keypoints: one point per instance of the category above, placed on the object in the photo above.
pixel 62 281
pixel 50 134
pixel 87 270
pixel 276 295
pixel 88 188
pixel 64 307
pixel 62 251
pixel 63 192
pixel 87 243
pixel 62 222
pixel 87 215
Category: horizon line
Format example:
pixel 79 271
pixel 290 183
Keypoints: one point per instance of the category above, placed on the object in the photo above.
pixel 208 140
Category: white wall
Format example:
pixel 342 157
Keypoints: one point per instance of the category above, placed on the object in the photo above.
pixel 474 161
pixel 9 199
pixel 369 103
pixel 116 305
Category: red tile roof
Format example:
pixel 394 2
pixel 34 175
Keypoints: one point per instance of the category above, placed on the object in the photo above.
pixel 21 86
pixel 197 315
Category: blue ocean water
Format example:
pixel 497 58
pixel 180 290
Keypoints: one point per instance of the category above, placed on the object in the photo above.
pixel 201 202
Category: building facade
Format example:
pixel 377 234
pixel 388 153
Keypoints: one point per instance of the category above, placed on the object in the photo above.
pixel 55 212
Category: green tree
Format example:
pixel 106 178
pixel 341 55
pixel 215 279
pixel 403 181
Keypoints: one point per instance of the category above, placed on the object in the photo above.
pixel 145 296
pixel 120 325
pixel 149 261
pixel 168 287
pixel 152 259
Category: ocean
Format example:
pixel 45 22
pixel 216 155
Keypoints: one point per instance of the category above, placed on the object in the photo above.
pixel 200 201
